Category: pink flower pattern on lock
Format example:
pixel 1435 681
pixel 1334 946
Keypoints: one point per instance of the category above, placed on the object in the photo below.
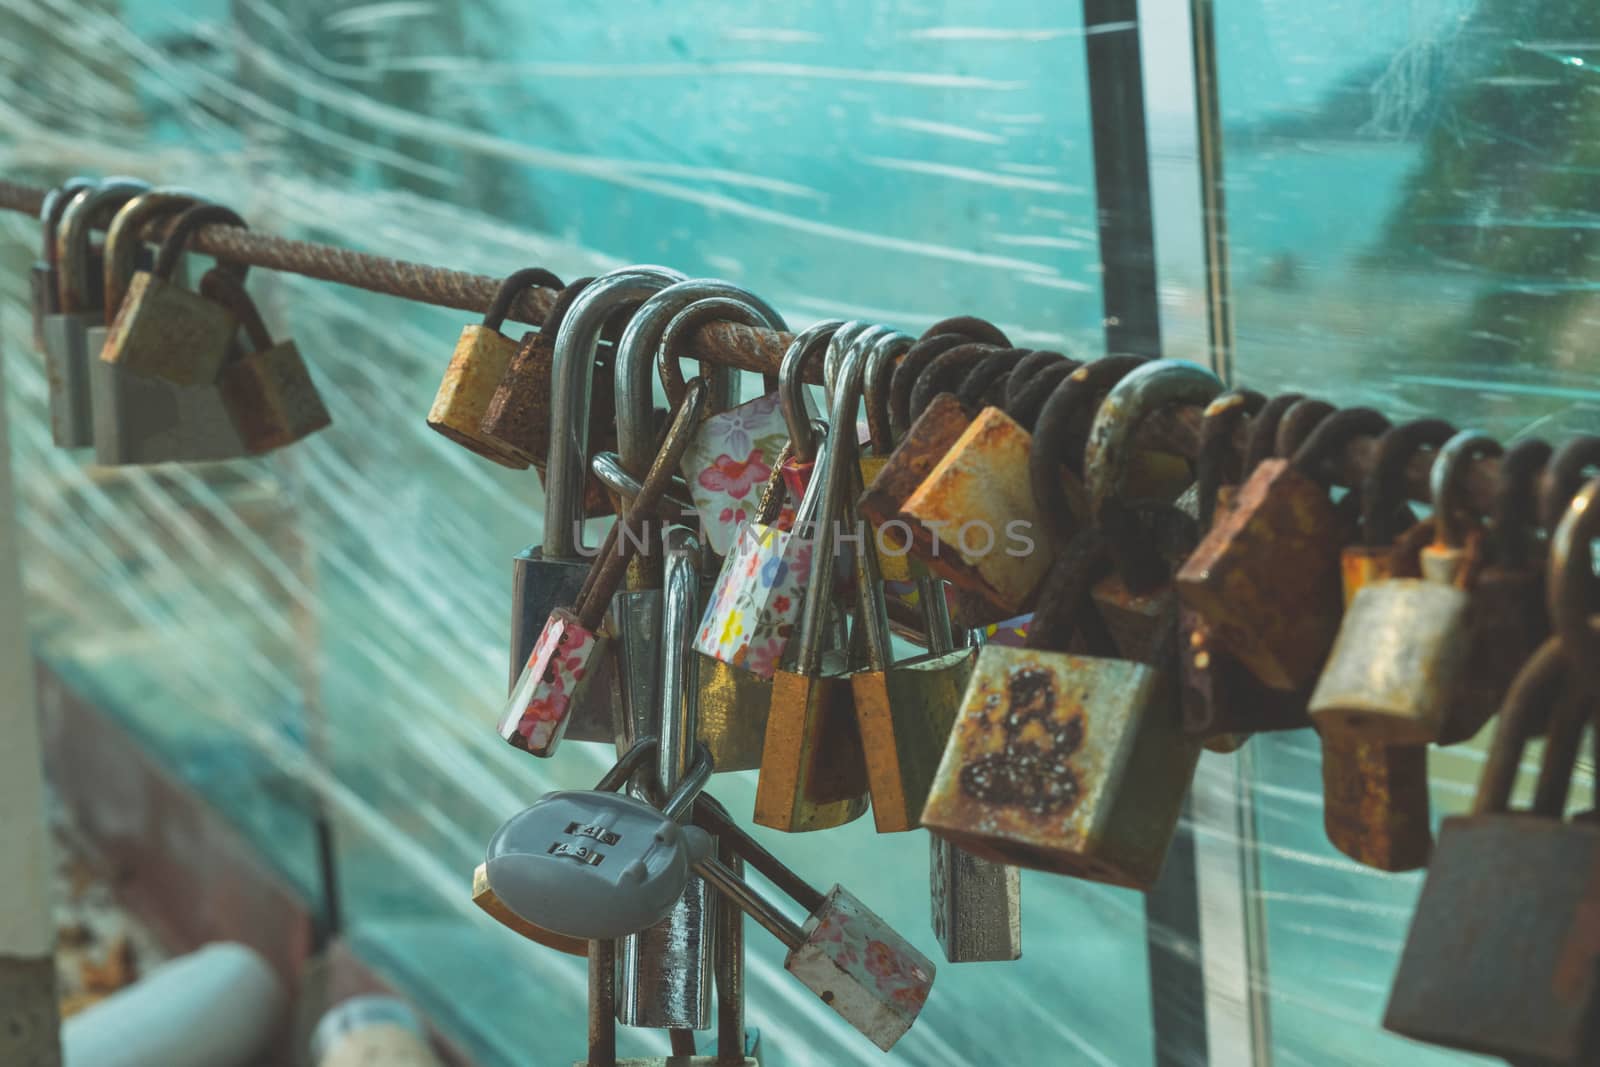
pixel 542 698
pixel 724 486
pixel 756 600
pixel 736 477
pixel 846 938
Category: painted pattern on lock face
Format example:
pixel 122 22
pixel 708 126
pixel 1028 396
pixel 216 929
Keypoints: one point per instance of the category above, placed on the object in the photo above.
pixel 729 462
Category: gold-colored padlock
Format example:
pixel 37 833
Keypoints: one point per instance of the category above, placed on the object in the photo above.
pixel 483 896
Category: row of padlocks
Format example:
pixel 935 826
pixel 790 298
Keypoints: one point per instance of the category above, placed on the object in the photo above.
pixel 972 594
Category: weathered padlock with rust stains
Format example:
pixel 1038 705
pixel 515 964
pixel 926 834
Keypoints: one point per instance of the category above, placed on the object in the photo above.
pixel 476 369
pixel 1400 660
pixel 813 775
pixel 1503 955
pixel 267 390
pixel 935 341
pixel 163 330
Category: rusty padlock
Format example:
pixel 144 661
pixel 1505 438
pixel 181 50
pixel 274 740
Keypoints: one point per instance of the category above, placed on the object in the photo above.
pixel 163 330
pixel 267 390
pixel 44 278
pixel 567 656
pixel 934 342
pixel 1572 587
pixel 477 366
pixel 1503 955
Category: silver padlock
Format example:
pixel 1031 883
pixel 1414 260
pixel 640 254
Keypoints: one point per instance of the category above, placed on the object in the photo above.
pixel 594 863
pixel 844 953
pixel 550 575
pixel 78 307
pixel 664 971
pixel 44 280
pixel 141 419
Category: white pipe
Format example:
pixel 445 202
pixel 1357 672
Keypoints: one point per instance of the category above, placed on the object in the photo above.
pixel 218 1007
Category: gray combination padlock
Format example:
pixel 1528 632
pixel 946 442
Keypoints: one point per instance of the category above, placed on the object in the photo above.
pixel 139 418
pixel 664 971
pixel 594 863
pixel 44 279
pixel 78 307
pixel 550 575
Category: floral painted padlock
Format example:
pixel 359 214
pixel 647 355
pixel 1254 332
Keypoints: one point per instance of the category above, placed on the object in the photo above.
pixel 558 678
pixel 754 605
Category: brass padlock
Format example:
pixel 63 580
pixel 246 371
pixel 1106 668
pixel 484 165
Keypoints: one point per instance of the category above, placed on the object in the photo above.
pixel 1503 955
pixel 516 418
pixel 44 279
pixel 813 774
pixel 163 330
pixel 1400 661
pixel 562 671
pixel 483 896
pixel 934 342
pixel 475 370
pixel 68 359
pixel 267 390
pixel 141 419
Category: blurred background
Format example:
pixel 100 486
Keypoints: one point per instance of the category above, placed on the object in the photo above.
pixel 1411 190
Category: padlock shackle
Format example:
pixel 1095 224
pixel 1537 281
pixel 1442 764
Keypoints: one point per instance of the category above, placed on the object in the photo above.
pixel 876 380
pixel 1570 584
pixel 1262 442
pixel 85 209
pixel 634 364
pixel 739 892
pixel 1027 395
pixel 607 467
pixel 806 346
pixel 183 230
pixel 973 391
pixel 1324 446
pixel 627 764
pixel 680 705
pixel 512 286
pixel 1567 475
pixel 711 816
pixel 946 373
pixel 1112 437
pixel 125 236
pixel 838 343
pixel 670 358
pixel 681 802
pixel 1385 515
pixel 1514 516
pixel 222 286
pixel 927 348
pixel 572 376
pixel 1214 466
pixel 1542 684
pixel 610 567
pixel 50 211
pixel 1298 424
pixel 1057 442
pixel 1452 521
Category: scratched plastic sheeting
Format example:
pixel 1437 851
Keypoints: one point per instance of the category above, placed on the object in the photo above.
pixel 896 160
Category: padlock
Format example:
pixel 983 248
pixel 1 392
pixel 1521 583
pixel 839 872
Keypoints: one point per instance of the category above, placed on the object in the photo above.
pixel 734 450
pixel 1503 954
pixel 976 904
pixel 267 390
pixel 476 368
pixel 1512 620
pixel 44 279
pixel 813 774
pixel 1147 538
pixel 560 678
pixel 1065 763
pixel 750 617
pixel 987 383
pixel 891 547
pixel 951 370
pixel 598 864
pixel 77 308
pixel 1027 394
pixel 844 953
pixel 904 711
pixel 934 342
pixel 1569 469
pixel 664 970
pixel 1266 576
pixel 137 418
pixel 163 330
pixel 1571 587
pixel 484 897
pixel 551 574
pixel 1400 662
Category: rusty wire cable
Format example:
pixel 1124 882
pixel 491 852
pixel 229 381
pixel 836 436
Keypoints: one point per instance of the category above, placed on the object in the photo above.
pixel 726 343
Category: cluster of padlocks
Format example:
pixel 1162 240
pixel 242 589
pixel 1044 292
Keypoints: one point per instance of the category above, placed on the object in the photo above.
pixel 141 369
pixel 975 592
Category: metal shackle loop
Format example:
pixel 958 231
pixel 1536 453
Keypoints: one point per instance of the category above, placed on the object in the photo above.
pixel 512 286
pixel 1542 682
pixel 1158 384
pixel 1515 515
pixel 806 346
pixel 1452 520
pixel 1214 466
pixel 85 209
pixel 183 230
pixel 1384 511
pixel 572 375
pixel 125 236
pixel 875 382
pixel 1570 584
pixel 50 210
pixel 224 287
pixel 669 358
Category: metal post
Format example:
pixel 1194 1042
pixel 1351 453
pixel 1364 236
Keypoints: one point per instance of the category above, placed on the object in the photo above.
pixel 1213 209
pixel 30 1023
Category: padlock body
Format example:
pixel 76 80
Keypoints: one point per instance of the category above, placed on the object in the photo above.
pixel 1221 697
pixel 976 904
pixel 930 438
pixel 516 418
pixel 1397 662
pixel 1266 576
pixel 861 968
pixel 1503 956
pixel 727 465
pixel 664 972
pixel 484 897
pixel 67 365
pixel 1070 764
pixel 893 551
pixel 1135 621
pixel 1508 622
pixel 1375 804
pixel 42 299
pixel 470 380
pixel 538 587
pixel 756 600
pixel 272 399
pixel 142 420
pixel 904 715
pixel 558 679
pixel 165 331
pixel 971 505
pixel 732 718
pixel 813 773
